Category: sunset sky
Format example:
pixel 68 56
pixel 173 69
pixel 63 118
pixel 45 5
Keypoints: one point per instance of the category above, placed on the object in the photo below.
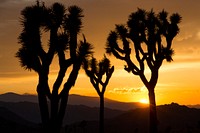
pixel 179 81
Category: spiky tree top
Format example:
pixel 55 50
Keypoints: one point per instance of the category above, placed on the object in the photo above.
pixel 63 26
pixel 96 70
pixel 149 34
pixel 38 19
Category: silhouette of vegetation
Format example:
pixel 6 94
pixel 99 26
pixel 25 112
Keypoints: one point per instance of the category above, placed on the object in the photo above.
pixel 96 72
pixel 143 43
pixel 63 26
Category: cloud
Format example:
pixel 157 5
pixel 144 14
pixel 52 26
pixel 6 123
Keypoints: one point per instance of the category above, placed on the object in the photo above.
pixel 5 75
pixel 127 90
pixel 187 65
pixel 185 36
pixel 166 84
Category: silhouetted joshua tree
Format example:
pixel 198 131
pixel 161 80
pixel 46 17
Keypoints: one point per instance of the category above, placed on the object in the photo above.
pixel 96 72
pixel 143 43
pixel 63 26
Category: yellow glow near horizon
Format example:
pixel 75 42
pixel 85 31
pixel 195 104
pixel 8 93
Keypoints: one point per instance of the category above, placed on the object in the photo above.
pixel 144 101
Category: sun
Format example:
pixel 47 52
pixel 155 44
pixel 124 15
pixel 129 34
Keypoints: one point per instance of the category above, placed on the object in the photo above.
pixel 144 101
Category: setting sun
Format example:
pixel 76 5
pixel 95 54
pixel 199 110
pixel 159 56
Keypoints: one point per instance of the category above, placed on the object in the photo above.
pixel 144 101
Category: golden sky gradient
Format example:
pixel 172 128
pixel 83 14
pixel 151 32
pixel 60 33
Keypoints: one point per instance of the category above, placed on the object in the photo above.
pixel 179 81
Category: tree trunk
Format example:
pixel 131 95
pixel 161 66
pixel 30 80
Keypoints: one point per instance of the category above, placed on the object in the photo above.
pixel 152 112
pixel 101 114
pixel 43 111
pixel 42 100
pixel 57 120
pixel 54 125
pixel 62 109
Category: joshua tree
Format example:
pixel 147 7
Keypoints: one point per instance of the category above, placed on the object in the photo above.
pixel 63 27
pixel 96 71
pixel 151 38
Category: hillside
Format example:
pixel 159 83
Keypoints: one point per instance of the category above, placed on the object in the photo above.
pixel 13 97
pixel 12 123
pixel 74 100
pixel 94 102
pixel 26 110
pixel 172 118
pixel 74 113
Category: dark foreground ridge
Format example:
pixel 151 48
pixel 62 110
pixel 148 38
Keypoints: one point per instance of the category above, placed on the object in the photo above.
pixel 24 117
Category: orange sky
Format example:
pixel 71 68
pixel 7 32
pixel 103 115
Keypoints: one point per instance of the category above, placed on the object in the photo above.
pixel 178 81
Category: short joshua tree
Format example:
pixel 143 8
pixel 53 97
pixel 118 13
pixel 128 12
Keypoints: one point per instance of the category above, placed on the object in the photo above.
pixel 96 71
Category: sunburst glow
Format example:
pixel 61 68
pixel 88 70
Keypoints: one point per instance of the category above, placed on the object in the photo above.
pixel 144 101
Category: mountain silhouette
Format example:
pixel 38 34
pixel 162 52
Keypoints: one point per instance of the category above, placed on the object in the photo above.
pixel 94 102
pixel 9 115
pixel 172 118
pixel 26 110
pixel 24 115
pixel 12 123
pixel 74 113
pixel 13 97
pixel 194 106
pixel 75 100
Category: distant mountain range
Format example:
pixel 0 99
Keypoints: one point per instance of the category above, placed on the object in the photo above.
pixel 13 97
pixel 30 112
pixel 22 116
pixel 79 107
pixel 172 118
pixel 75 100
pixel 13 123
pixel 194 106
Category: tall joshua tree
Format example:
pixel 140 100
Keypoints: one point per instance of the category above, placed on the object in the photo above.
pixel 63 27
pixel 96 71
pixel 143 43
